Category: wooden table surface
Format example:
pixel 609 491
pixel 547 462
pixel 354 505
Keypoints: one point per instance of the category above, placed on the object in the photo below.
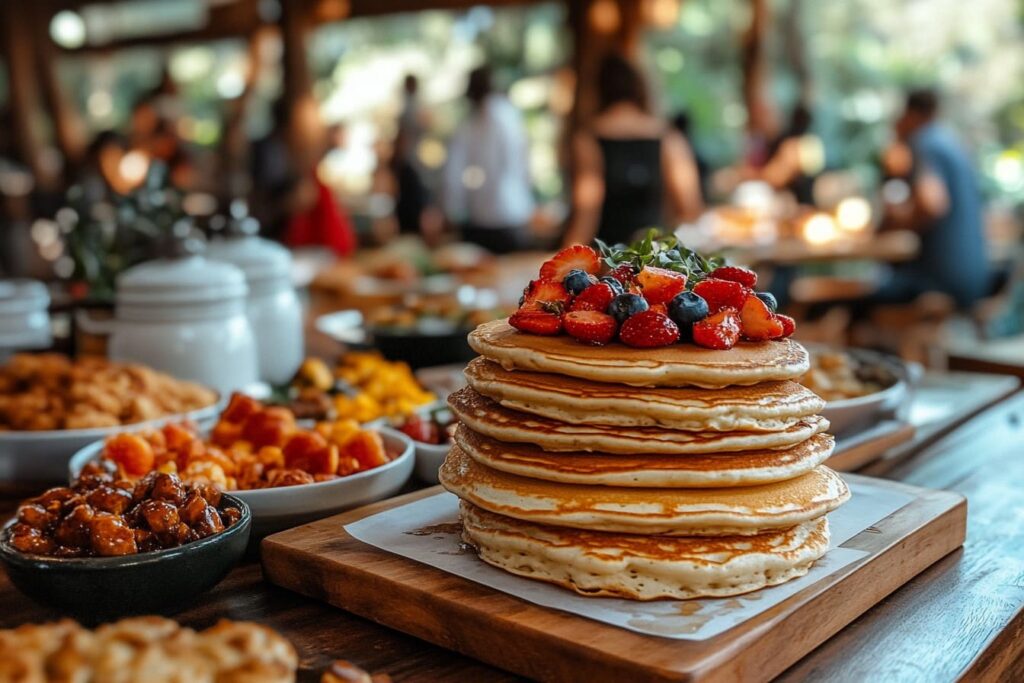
pixel 963 617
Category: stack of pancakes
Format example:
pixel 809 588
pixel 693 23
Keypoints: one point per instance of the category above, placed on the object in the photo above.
pixel 641 473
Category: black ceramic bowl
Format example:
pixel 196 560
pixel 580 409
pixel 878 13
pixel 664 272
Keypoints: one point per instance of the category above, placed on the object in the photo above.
pixel 95 589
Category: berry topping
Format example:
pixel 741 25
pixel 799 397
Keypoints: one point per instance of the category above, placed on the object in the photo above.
pixel 721 293
pixel 536 322
pixel 594 298
pixel 769 300
pixel 757 321
pixel 686 309
pixel 576 257
pixel 719 330
pixel 627 305
pixel 577 280
pixel 660 285
pixel 744 276
pixel 592 327
pixel 649 329
pixel 544 295
pixel 788 324
pixel 624 273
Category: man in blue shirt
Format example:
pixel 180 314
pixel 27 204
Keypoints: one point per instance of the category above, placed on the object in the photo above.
pixel 945 207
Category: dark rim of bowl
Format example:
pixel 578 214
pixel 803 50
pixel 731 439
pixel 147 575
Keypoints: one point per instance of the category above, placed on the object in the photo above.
pixel 10 554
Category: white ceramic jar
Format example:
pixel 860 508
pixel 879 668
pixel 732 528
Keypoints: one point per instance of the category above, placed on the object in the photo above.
pixel 186 317
pixel 24 319
pixel 273 307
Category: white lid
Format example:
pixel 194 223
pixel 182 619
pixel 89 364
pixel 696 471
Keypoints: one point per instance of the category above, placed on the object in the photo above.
pixel 259 259
pixel 188 280
pixel 23 296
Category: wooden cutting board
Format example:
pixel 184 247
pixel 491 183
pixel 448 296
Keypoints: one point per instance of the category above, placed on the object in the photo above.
pixel 322 561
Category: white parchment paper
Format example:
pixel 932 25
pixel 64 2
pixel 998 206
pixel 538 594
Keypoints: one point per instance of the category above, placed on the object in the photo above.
pixel 428 531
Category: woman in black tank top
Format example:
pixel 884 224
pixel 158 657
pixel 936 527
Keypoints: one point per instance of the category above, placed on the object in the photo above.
pixel 631 172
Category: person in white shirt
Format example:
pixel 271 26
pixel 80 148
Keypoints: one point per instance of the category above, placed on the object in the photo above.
pixel 486 188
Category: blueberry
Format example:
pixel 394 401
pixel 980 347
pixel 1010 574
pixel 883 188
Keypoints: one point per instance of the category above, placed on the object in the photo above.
pixel 769 300
pixel 576 281
pixel 686 309
pixel 625 305
pixel 613 283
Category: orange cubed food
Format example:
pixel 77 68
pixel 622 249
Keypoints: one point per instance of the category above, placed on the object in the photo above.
pixel 368 448
pixel 226 433
pixel 270 427
pixel 301 446
pixel 131 452
pixel 271 456
pixel 176 436
pixel 239 408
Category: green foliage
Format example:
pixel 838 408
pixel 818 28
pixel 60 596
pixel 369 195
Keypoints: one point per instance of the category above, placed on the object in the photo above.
pixel 661 251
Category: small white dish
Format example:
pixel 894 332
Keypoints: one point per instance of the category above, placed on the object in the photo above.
pixel 42 457
pixel 283 507
pixel 850 414
pixel 429 456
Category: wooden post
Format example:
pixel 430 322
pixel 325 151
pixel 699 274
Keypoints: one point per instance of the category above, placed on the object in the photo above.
pixel 761 124
pixel 26 112
pixel 305 134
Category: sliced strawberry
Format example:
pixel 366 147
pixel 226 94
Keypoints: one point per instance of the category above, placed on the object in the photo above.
pixel 649 329
pixel 721 293
pixel 744 276
pixel 594 298
pixel 788 324
pixel 624 273
pixel 576 257
pixel 590 326
pixel 659 285
pixel 719 330
pixel 545 295
pixel 757 322
pixel 536 322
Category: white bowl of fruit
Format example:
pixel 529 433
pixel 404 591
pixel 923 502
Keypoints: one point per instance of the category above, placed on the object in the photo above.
pixel 430 429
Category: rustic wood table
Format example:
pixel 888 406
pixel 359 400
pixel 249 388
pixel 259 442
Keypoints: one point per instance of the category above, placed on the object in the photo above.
pixel 962 618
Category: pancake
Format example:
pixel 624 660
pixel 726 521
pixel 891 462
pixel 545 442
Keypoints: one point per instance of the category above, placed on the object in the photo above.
pixel 669 471
pixel 770 406
pixel 490 418
pixel 675 365
pixel 676 512
pixel 644 567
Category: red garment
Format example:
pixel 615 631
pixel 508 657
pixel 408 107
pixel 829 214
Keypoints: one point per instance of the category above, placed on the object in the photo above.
pixel 323 224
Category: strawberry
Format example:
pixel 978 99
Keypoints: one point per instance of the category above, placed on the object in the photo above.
pixel 624 273
pixel 660 308
pixel 536 322
pixel 592 327
pixel 659 285
pixel 744 276
pixel 757 321
pixel 544 295
pixel 576 257
pixel 649 329
pixel 788 324
pixel 721 293
pixel 594 298
pixel 719 330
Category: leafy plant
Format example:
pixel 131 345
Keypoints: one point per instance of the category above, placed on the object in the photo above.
pixel 661 251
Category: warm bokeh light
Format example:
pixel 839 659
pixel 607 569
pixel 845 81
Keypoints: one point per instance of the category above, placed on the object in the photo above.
pixel 662 13
pixel 853 214
pixel 820 228
pixel 604 16
pixel 133 167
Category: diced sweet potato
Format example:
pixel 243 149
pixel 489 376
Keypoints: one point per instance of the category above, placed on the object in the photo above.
pixel 239 408
pixel 368 448
pixel 131 452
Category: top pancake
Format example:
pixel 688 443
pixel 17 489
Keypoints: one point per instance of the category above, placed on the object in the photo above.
pixel 668 366
pixel 765 407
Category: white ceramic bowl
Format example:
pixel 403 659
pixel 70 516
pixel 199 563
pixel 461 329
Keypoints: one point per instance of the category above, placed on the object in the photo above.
pixel 428 456
pixel 287 506
pixel 850 414
pixel 42 457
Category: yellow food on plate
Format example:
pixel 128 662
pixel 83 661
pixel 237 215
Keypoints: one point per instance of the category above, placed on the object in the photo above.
pixel 833 376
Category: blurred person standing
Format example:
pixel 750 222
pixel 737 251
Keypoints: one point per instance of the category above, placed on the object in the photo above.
pixel 944 206
pixel 486 184
pixel 788 166
pixel 412 196
pixel 631 170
